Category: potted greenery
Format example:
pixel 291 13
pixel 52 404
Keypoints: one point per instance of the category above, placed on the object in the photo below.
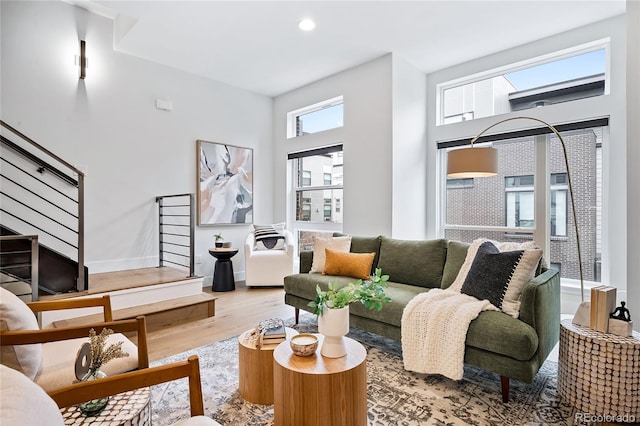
pixel 332 308
pixel 218 239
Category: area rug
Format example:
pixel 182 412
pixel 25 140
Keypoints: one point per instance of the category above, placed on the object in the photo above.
pixel 395 396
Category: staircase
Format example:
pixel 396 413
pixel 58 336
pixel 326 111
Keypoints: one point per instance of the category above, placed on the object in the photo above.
pixel 42 244
pixel 41 195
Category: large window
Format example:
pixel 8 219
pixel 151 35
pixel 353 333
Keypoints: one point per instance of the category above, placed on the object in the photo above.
pixel 560 77
pixel 505 207
pixel 318 207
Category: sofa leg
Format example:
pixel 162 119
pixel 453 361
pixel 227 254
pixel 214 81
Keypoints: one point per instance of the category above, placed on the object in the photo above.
pixel 297 314
pixel 505 388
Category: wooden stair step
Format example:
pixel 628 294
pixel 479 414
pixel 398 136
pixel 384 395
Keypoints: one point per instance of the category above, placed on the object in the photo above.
pixel 159 314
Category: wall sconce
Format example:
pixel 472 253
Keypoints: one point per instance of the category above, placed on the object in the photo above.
pixel 82 61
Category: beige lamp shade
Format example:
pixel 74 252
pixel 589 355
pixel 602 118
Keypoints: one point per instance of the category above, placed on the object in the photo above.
pixel 472 162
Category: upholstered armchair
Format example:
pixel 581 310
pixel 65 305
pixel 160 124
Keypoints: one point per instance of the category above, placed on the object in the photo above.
pixel 19 395
pixel 48 356
pixel 268 267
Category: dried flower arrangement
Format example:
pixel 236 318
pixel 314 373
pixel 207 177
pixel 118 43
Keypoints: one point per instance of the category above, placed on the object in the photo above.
pixel 101 355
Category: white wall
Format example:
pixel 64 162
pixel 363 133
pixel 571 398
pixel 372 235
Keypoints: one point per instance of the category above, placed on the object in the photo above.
pixel 366 137
pixel 409 151
pixel 633 159
pixel 615 256
pixel 109 124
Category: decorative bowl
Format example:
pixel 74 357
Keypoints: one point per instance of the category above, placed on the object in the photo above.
pixel 304 344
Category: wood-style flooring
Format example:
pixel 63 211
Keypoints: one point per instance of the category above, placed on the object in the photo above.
pixel 236 311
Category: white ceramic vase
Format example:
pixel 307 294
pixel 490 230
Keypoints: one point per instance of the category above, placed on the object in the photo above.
pixel 333 324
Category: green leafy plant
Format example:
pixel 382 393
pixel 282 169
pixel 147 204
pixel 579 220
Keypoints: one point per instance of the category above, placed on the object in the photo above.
pixel 218 237
pixel 371 293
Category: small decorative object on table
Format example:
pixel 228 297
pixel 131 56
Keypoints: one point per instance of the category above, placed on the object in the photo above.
pixel 332 308
pixel 268 332
pixel 91 357
pixel 219 241
pixel 620 322
pixel 304 344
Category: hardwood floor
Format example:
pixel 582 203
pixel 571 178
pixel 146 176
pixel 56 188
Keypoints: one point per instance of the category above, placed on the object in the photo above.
pixel 236 311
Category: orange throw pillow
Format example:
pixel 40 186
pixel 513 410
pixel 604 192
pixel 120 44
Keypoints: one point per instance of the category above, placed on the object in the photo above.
pixel 356 265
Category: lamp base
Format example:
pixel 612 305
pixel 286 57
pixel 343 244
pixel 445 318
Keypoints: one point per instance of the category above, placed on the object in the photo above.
pixel 583 315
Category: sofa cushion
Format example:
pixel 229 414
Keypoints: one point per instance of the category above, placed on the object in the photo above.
pixel 490 273
pixel 456 254
pixel 524 272
pixel 391 312
pixel 500 333
pixel 321 243
pixel 304 285
pixel 356 265
pixel 367 245
pixel 15 315
pixel 413 262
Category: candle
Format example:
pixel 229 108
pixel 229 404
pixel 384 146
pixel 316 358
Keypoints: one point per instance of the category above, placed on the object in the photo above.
pixel 304 340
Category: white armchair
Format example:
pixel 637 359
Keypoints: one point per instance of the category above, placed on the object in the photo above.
pixel 267 267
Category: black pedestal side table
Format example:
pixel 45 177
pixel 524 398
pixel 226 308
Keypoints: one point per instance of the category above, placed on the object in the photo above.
pixel 223 270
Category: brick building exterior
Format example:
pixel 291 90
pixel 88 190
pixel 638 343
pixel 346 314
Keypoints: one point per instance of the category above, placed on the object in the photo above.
pixel 482 201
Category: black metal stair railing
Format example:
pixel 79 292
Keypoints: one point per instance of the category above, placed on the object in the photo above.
pixel 44 194
pixel 176 214
pixel 19 265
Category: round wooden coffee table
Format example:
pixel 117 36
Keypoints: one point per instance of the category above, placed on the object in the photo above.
pixel 255 369
pixel 320 391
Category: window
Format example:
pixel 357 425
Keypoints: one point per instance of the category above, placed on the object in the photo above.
pixel 561 77
pixel 318 192
pixel 327 209
pixel 509 205
pixel 520 208
pixel 315 118
pixel 460 183
pixel 305 178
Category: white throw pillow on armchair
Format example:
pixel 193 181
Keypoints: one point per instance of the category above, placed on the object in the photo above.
pixel 15 315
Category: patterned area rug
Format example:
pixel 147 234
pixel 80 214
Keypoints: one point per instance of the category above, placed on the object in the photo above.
pixel 395 396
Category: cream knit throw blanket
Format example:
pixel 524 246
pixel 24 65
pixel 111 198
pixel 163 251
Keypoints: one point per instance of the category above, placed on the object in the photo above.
pixel 434 329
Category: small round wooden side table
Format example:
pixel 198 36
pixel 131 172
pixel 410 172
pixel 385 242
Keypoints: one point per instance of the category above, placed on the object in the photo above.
pixel 599 373
pixel 323 391
pixel 255 369
pixel 132 408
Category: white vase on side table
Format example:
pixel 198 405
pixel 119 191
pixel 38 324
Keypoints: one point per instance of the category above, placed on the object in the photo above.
pixel 333 324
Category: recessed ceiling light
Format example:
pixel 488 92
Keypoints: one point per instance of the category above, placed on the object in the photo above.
pixel 306 25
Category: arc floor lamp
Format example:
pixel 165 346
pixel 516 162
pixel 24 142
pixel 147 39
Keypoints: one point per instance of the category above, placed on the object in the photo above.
pixel 483 162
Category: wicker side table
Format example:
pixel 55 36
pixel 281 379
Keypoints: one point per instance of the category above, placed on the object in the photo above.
pixel 132 408
pixel 599 373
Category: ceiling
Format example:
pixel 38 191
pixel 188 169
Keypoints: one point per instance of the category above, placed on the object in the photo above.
pixel 256 45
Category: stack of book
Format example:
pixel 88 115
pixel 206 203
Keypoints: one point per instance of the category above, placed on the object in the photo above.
pixel 272 331
pixel 603 303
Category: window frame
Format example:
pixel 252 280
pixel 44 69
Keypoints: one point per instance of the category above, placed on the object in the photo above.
pixel 584 48
pixel 292 116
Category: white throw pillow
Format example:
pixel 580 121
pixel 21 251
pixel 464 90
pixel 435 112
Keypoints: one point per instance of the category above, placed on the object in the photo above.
pixel 22 402
pixel 269 237
pixel 523 273
pixel 342 244
pixel 15 315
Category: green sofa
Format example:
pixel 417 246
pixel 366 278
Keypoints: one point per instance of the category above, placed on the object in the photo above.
pixel 514 348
